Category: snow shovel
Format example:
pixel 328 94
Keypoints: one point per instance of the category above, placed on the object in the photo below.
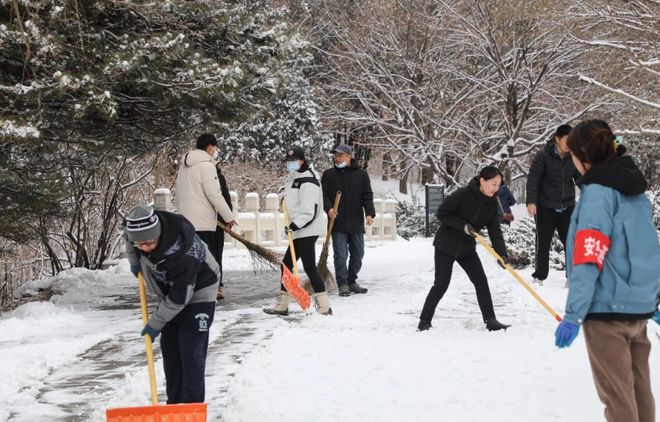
pixel 515 274
pixel 189 412
pixel 328 277
pixel 290 281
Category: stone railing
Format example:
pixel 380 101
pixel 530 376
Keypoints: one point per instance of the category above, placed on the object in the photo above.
pixel 265 224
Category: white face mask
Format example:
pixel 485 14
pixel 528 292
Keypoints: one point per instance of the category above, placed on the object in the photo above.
pixel 292 166
pixel 216 154
pixel 341 165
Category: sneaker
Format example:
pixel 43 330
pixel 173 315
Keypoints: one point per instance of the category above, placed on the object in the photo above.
pixel 355 288
pixel 424 325
pixel 344 290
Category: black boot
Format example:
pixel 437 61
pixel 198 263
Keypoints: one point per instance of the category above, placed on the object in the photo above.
pixel 494 325
pixel 423 325
pixel 356 288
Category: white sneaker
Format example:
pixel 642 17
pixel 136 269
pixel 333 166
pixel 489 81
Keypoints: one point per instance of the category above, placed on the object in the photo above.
pixel 537 281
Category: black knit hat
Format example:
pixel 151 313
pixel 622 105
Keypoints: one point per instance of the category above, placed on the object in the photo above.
pixel 294 152
pixel 142 224
pixel 205 140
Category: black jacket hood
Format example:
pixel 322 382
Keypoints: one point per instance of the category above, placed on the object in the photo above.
pixel 620 173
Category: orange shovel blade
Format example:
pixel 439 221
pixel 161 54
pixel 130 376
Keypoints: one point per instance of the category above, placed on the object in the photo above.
pixel 292 285
pixel 189 412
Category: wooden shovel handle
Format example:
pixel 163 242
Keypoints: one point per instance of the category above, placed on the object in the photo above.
pixel 147 340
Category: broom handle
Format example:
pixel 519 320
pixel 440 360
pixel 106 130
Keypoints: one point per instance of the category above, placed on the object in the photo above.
pixel 147 341
pixel 290 236
pixel 335 207
pixel 516 276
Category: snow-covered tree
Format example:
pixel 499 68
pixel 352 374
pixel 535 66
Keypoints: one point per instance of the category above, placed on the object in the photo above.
pixel 94 93
pixel 440 85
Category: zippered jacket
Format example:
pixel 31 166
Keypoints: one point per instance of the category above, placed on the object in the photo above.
pixel 613 255
pixel 198 194
pixel 357 197
pixel 551 179
pixel 468 206
pixel 304 202
pixel 180 271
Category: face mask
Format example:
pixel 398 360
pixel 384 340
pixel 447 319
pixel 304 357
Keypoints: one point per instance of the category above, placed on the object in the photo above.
pixel 292 166
pixel 341 165
pixel 215 155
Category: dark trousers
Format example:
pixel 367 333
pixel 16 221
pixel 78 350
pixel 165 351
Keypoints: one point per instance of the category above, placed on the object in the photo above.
pixel 184 342
pixel 345 244
pixel 216 243
pixel 305 249
pixel 547 221
pixel 471 264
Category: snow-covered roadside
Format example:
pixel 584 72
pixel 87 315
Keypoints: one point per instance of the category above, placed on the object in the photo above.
pixel 366 362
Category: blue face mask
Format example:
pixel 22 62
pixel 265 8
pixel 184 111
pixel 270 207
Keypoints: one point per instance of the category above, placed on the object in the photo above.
pixel 292 166
pixel 341 165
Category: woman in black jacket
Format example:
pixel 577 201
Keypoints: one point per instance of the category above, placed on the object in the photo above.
pixel 468 209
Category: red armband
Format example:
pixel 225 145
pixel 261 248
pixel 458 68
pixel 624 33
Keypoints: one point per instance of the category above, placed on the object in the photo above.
pixel 591 246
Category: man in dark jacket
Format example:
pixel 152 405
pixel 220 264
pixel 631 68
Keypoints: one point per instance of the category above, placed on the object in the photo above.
pixel 551 196
pixel 357 200
pixel 183 275
pixel 220 233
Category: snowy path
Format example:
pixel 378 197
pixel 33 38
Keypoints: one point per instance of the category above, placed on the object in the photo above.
pixel 70 359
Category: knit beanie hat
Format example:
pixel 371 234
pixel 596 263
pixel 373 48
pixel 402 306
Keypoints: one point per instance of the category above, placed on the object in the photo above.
pixel 142 224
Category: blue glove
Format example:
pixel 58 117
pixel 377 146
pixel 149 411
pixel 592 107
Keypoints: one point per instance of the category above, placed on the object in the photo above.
pixel 135 269
pixel 152 333
pixel 656 317
pixel 566 333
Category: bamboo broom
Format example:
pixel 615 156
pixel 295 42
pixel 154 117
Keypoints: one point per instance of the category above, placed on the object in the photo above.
pixel 262 258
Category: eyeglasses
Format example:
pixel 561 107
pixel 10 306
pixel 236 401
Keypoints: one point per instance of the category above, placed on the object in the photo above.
pixel 147 244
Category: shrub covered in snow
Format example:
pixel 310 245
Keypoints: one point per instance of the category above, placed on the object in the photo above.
pixel 411 219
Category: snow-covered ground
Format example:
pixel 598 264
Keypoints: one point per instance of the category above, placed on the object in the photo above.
pixel 71 358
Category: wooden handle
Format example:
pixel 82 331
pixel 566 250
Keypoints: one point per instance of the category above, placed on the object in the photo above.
pixel 335 207
pixel 147 341
pixel 516 276
pixel 290 237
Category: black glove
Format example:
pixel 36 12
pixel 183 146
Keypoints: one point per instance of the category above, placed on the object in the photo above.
pixel 151 332
pixel 135 269
pixel 469 230
pixel 291 228
pixel 505 259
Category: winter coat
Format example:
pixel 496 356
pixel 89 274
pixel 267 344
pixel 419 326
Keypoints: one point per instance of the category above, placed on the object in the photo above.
pixel 612 247
pixel 224 188
pixel 356 195
pixel 180 271
pixel 304 202
pixel 198 194
pixel 467 206
pixel 506 199
pixel 551 179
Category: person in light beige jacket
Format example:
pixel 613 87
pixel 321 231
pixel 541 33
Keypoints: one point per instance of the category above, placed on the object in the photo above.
pixel 199 197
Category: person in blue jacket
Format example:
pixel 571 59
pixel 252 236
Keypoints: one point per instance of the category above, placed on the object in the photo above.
pixel 506 199
pixel 613 260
